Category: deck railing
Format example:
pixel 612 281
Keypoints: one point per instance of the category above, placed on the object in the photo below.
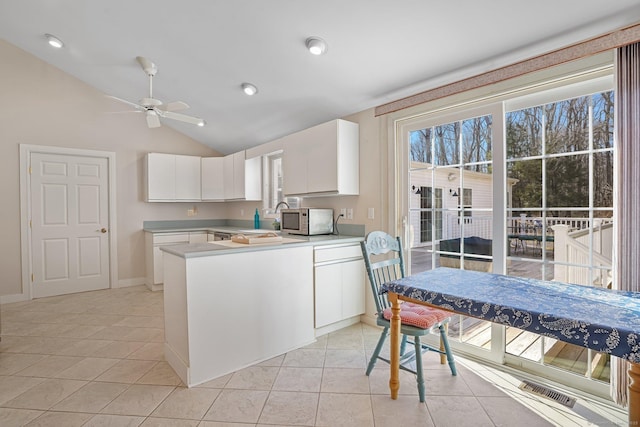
pixel 574 251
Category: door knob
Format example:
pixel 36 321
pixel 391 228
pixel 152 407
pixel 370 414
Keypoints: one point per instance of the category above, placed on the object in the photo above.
pixel 102 230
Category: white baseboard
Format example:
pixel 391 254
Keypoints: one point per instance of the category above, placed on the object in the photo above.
pixel 369 320
pixel 336 326
pixel 137 281
pixel 8 299
pixel 124 283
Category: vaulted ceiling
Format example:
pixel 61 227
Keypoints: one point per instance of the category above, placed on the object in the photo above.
pixel 378 51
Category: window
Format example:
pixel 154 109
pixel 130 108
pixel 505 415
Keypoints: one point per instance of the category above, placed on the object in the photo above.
pixel 465 204
pixel 430 218
pixel 273 185
pixel 274 179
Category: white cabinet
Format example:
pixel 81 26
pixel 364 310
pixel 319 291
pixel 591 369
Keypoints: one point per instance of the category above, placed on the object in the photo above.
pixel 221 316
pixel 339 283
pixel 172 177
pixel 153 254
pixel 322 160
pixel 187 178
pixel 198 237
pixel 242 177
pixel 212 178
pixel 161 177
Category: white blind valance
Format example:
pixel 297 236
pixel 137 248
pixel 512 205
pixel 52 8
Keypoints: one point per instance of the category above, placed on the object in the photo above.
pixel 584 49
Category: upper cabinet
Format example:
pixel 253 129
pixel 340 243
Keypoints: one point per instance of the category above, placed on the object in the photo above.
pixel 213 178
pixel 172 177
pixel 322 160
pixel 242 177
pixel 179 178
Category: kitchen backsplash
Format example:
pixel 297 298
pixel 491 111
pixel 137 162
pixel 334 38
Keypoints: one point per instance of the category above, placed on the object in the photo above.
pixel 344 229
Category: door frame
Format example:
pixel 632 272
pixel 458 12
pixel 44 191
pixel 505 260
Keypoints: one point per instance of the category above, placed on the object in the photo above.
pixel 26 150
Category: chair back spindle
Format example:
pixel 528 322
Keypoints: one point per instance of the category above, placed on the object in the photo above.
pixel 384 262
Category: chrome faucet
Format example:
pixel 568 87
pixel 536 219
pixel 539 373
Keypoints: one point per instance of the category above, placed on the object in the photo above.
pixel 278 205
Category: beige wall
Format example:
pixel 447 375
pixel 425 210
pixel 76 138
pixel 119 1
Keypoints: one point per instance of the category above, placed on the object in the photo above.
pixel 41 105
pixel 373 178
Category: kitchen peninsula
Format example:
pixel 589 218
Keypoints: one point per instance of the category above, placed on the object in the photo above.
pixel 228 306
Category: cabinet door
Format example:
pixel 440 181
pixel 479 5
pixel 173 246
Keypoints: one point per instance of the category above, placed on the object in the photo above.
pixel 253 179
pixel 328 294
pixel 198 237
pixel 227 168
pixel 238 175
pixel 322 151
pixel 353 288
pixel 187 178
pixel 294 165
pixel 212 178
pixel 161 177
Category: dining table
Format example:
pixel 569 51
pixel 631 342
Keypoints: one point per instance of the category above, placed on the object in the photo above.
pixel 603 320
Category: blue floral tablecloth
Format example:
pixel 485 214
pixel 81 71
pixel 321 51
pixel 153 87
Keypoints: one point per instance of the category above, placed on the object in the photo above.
pixel 600 319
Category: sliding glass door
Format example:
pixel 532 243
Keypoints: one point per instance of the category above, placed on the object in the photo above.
pixel 522 187
pixel 450 219
pixel 560 222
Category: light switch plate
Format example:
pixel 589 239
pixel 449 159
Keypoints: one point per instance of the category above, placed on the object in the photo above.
pixel 370 213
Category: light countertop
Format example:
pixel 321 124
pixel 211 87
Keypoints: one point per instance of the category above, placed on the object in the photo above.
pixel 195 250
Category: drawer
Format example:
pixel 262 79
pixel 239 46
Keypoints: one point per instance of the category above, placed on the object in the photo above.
pixel 170 238
pixel 337 253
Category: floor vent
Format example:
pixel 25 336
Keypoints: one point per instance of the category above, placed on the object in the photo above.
pixel 543 391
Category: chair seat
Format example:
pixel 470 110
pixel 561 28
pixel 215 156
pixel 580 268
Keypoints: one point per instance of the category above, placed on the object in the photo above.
pixel 419 316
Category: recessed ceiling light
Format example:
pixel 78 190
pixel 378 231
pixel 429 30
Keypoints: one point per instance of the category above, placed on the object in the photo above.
pixel 54 41
pixel 316 45
pixel 249 89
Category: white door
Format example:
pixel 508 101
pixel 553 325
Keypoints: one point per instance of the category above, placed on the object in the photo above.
pixel 69 224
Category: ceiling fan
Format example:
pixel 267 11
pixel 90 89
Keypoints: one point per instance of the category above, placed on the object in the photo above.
pixel 155 109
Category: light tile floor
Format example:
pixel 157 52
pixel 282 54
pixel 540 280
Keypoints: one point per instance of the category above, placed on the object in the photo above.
pixel 96 359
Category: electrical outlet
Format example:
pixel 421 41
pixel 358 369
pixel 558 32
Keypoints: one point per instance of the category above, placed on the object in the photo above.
pixel 192 212
pixel 349 213
pixel 343 212
pixel 241 212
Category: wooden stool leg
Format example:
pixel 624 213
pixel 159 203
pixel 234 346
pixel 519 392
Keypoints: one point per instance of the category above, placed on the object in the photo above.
pixel 634 395
pixel 394 378
pixel 443 356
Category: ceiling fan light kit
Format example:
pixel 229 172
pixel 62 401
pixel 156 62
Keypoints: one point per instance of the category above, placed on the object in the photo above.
pixel 154 108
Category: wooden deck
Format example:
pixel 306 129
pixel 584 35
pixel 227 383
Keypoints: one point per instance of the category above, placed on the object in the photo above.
pixel 520 343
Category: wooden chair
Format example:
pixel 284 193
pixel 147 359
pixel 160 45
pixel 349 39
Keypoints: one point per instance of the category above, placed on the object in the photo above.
pixel 417 320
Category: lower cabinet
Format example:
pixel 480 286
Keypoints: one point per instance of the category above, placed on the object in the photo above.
pixel 339 283
pixel 153 254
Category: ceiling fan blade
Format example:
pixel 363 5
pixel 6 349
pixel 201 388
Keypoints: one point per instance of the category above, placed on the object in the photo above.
pixel 153 121
pixel 174 106
pixel 181 117
pixel 124 101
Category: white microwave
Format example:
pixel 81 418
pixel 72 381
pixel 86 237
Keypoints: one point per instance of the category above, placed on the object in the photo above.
pixel 307 221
